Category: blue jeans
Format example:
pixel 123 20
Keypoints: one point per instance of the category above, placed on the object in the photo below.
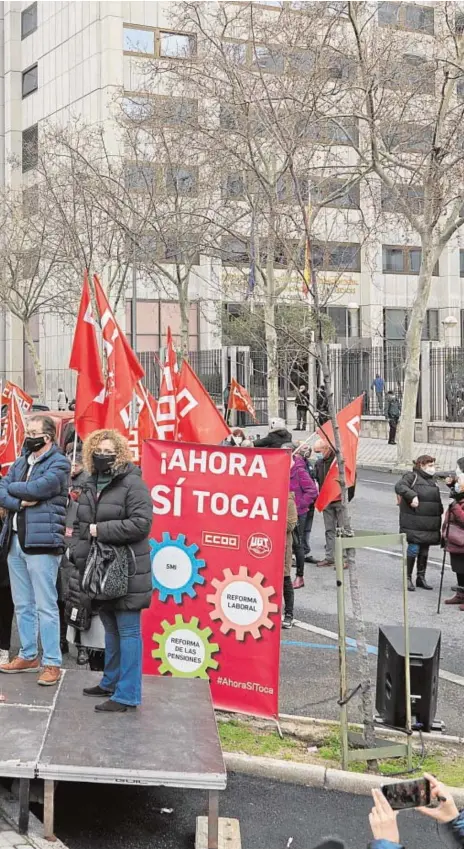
pixel 33 587
pixel 123 655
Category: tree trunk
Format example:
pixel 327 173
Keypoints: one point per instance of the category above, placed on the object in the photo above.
pixel 356 603
pixel 35 362
pixel 182 285
pixel 269 323
pixel 412 358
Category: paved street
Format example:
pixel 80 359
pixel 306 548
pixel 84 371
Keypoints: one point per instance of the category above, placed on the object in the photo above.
pixel 309 675
pixel 270 814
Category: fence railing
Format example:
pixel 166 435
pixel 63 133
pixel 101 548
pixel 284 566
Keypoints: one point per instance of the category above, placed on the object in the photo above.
pixel 447 384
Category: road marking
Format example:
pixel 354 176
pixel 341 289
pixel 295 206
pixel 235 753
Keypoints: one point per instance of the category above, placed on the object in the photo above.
pixel 380 483
pixel 399 554
pixel 313 629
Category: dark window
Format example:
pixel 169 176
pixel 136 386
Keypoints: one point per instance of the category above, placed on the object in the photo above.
pixel 268 59
pixel 461 263
pixel 336 256
pixel 338 66
pixel 288 192
pixel 180 252
pixel 430 330
pixel 329 130
pixel 301 61
pixel 407 16
pixel 29 20
pixel 412 195
pixel 177 45
pixel 181 180
pixel 329 193
pixel 235 51
pixel 234 186
pixel 176 111
pixel 408 136
pixel 30 80
pixel 30 200
pixel 139 175
pixel 410 73
pixel 228 118
pixel 339 319
pixel 29 263
pixel 396 324
pixel 30 148
pixel 403 260
pixel 235 251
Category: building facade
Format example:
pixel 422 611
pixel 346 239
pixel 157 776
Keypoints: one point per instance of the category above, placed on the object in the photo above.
pixel 62 61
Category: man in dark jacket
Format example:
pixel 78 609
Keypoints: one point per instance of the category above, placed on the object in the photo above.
pixel 35 494
pixel 278 435
pixel 392 413
pixel 333 513
pixel 302 406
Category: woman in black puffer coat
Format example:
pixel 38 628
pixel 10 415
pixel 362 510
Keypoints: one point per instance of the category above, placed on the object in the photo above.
pixel 420 516
pixel 115 507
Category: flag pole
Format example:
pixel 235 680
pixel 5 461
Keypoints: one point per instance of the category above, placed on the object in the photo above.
pixel 15 441
pixel 145 397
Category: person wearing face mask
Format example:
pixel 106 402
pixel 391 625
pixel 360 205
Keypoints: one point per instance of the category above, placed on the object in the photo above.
pixel 453 533
pixel 420 506
pixel 238 438
pixel 34 494
pixel 115 507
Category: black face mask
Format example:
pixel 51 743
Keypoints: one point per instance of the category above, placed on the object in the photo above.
pixel 34 443
pixel 103 463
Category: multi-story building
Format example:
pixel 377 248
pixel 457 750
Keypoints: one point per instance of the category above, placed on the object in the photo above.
pixel 65 60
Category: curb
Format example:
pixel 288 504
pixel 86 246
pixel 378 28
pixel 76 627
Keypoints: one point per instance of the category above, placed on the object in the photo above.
pixel 9 811
pixel 391 469
pixel 313 775
pixel 432 736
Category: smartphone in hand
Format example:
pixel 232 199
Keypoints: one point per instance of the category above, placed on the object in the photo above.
pixel 408 794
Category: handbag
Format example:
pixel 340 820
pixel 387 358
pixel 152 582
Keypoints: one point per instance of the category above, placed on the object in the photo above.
pixel 106 575
pixel 453 535
pixel 399 498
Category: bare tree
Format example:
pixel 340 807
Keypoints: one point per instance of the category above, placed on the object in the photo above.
pixel 33 278
pixel 409 99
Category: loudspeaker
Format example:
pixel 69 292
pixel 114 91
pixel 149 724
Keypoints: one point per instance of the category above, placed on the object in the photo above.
pixel 424 665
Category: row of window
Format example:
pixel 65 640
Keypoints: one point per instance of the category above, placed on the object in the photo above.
pixel 328 256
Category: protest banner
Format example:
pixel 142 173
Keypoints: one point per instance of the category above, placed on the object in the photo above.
pixel 217 555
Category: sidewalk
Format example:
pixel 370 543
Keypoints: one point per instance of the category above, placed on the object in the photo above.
pixel 378 455
pixel 10 839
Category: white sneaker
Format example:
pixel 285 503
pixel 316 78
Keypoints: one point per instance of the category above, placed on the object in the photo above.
pixel 4 656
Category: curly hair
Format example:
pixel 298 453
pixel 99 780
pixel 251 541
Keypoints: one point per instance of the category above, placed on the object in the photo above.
pixel 123 452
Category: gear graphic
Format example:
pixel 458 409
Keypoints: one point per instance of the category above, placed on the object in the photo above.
pixel 174 568
pixel 246 602
pixel 184 649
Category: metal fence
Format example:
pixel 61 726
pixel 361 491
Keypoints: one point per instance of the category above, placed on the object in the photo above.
pixel 354 373
pixel 447 384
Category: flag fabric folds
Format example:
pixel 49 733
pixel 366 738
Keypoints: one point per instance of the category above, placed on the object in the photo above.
pixel 124 369
pixel 349 423
pixel 199 420
pixel 239 399
pixel 13 434
pixel 85 359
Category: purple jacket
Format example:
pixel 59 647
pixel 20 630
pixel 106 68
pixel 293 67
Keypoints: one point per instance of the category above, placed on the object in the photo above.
pixel 302 485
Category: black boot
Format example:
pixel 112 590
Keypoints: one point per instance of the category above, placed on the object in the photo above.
pixel 289 598
pixel 410 564
pixel 421 568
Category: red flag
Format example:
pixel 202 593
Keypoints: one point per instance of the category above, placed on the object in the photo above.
pixel 199 418
pixel 166 415
pixel 349 423
pixel 85 359
pixel 146 422
pixel 239 399
pixel 24 400
pixel 124 369
pixel 13 435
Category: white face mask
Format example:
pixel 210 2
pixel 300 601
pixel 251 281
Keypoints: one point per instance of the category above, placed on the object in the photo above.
pixel 238 440
pixel 430 470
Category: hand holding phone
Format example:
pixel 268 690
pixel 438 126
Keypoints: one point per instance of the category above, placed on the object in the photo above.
pixel 446 810
pixel 382 819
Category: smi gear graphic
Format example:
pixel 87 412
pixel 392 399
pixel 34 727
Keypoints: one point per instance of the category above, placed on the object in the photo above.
pixel 175 568
pixel 246 614
pixel 184 649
